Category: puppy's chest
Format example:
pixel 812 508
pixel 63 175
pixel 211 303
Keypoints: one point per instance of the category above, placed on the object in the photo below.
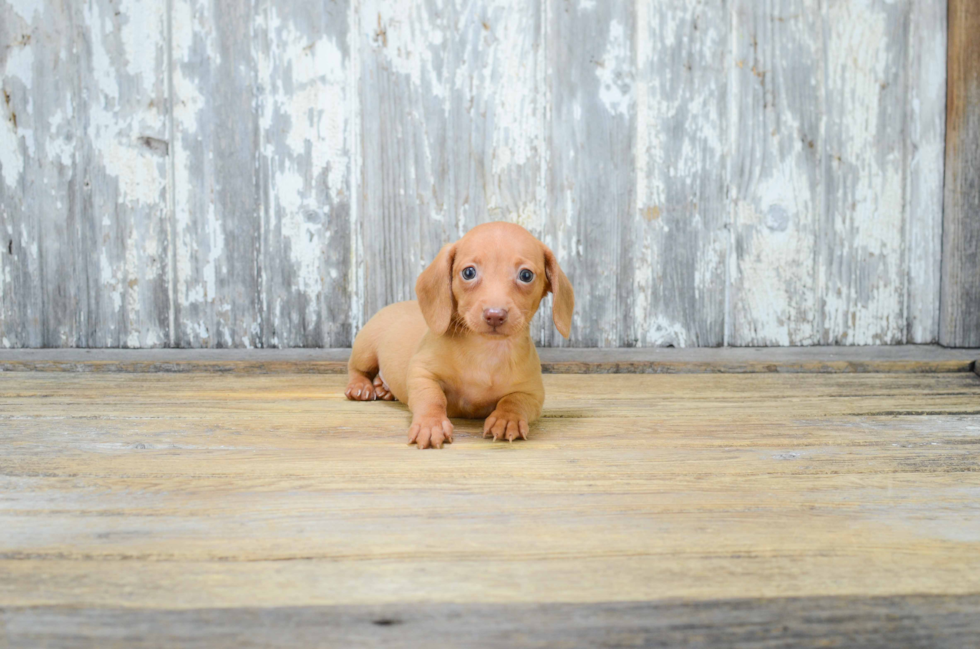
pixel 475 391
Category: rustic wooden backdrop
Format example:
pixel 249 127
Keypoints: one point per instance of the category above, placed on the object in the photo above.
pixel 229 173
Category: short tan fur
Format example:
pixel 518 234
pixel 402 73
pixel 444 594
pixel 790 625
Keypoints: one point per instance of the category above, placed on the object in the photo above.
pixel 464 348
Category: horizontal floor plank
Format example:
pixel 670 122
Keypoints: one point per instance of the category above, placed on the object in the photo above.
pixel 910 622
pixel 653 360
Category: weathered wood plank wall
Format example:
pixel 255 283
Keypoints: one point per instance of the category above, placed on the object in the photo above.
pixel 209 173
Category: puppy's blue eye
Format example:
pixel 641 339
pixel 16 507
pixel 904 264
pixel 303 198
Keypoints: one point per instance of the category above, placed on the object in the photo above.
pixel 526 276
pixel 469 273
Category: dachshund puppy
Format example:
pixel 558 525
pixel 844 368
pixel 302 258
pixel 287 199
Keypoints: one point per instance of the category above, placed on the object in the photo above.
pixel 464 348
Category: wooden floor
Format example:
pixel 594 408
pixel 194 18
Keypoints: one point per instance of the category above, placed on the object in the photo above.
pixel 205 509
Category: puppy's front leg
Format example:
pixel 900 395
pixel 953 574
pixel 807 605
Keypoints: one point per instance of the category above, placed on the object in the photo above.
pixel 511 417
pixel 430 425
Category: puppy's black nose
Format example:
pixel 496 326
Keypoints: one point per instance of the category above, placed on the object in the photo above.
pixel 495 317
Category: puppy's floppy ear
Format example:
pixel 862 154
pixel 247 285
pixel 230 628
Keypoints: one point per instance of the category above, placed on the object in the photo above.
pixel 564 302
pixel 434 289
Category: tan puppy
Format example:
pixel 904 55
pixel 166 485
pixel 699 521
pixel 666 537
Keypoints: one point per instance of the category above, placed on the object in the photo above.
pixel 464 348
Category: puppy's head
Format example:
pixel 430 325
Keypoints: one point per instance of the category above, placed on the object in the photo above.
pixel 491 282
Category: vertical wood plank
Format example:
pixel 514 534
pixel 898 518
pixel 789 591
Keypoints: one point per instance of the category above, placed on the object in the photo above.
pixel 452 92
pixel 499 121
pixel 303 65
pixel 862 276
pixel 960 309
pixel 217 204
pixel 591 73
pixel 497 113
pixel 776 176
pixel 406 175
pixel 39 182
pixel 676 236
pixel 120 287
pixel 926 114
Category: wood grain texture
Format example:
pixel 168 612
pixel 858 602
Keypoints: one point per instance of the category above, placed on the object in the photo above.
pixel 216 187
pixel 164 494
pixel 824 205
pixel 960 308
pixel 676 238
pixel 926 110
pixel 564 360
pixel 405 85
pixel 119 283
pixel 912 622
pixel 497 113
pixel 862 232
pixel 591 77
pixel 455 135
pixel 777 182
pixel 499 119
pixel 40 184
pixel 302 61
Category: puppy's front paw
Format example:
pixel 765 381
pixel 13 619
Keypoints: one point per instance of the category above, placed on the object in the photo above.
pixel 360 388
pixel 505 425
pixel 430 432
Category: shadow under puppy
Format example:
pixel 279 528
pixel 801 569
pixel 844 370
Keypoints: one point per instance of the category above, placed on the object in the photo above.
pixel 464 348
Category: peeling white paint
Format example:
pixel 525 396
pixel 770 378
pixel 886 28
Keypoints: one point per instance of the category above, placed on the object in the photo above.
pixel 143 54
pixel 661 332
pixel 26 9
pixel 103 69
pixel 110 279
pixel 20 64
pixel 925 177
pixel 152 338
pixel 409 39
pixel 498 78
pixel 123 81
pixel 60 143
pixel 316 104
pixel 355 276
pixel 863 300
pixel 115 133
pixel 304 127
pixel 195 279
pixel 191 22
pixel 11 158
pixel 615 72
pixel 775 189
pixel 133 270
pixel 18 68
pixel 776 300
pixel 188 107
pixel 216 251
pixel 678 155
pixel 33 249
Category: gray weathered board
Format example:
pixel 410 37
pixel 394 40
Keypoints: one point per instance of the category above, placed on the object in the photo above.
pixel 215 173
pixel 909 621
pixel 960 310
